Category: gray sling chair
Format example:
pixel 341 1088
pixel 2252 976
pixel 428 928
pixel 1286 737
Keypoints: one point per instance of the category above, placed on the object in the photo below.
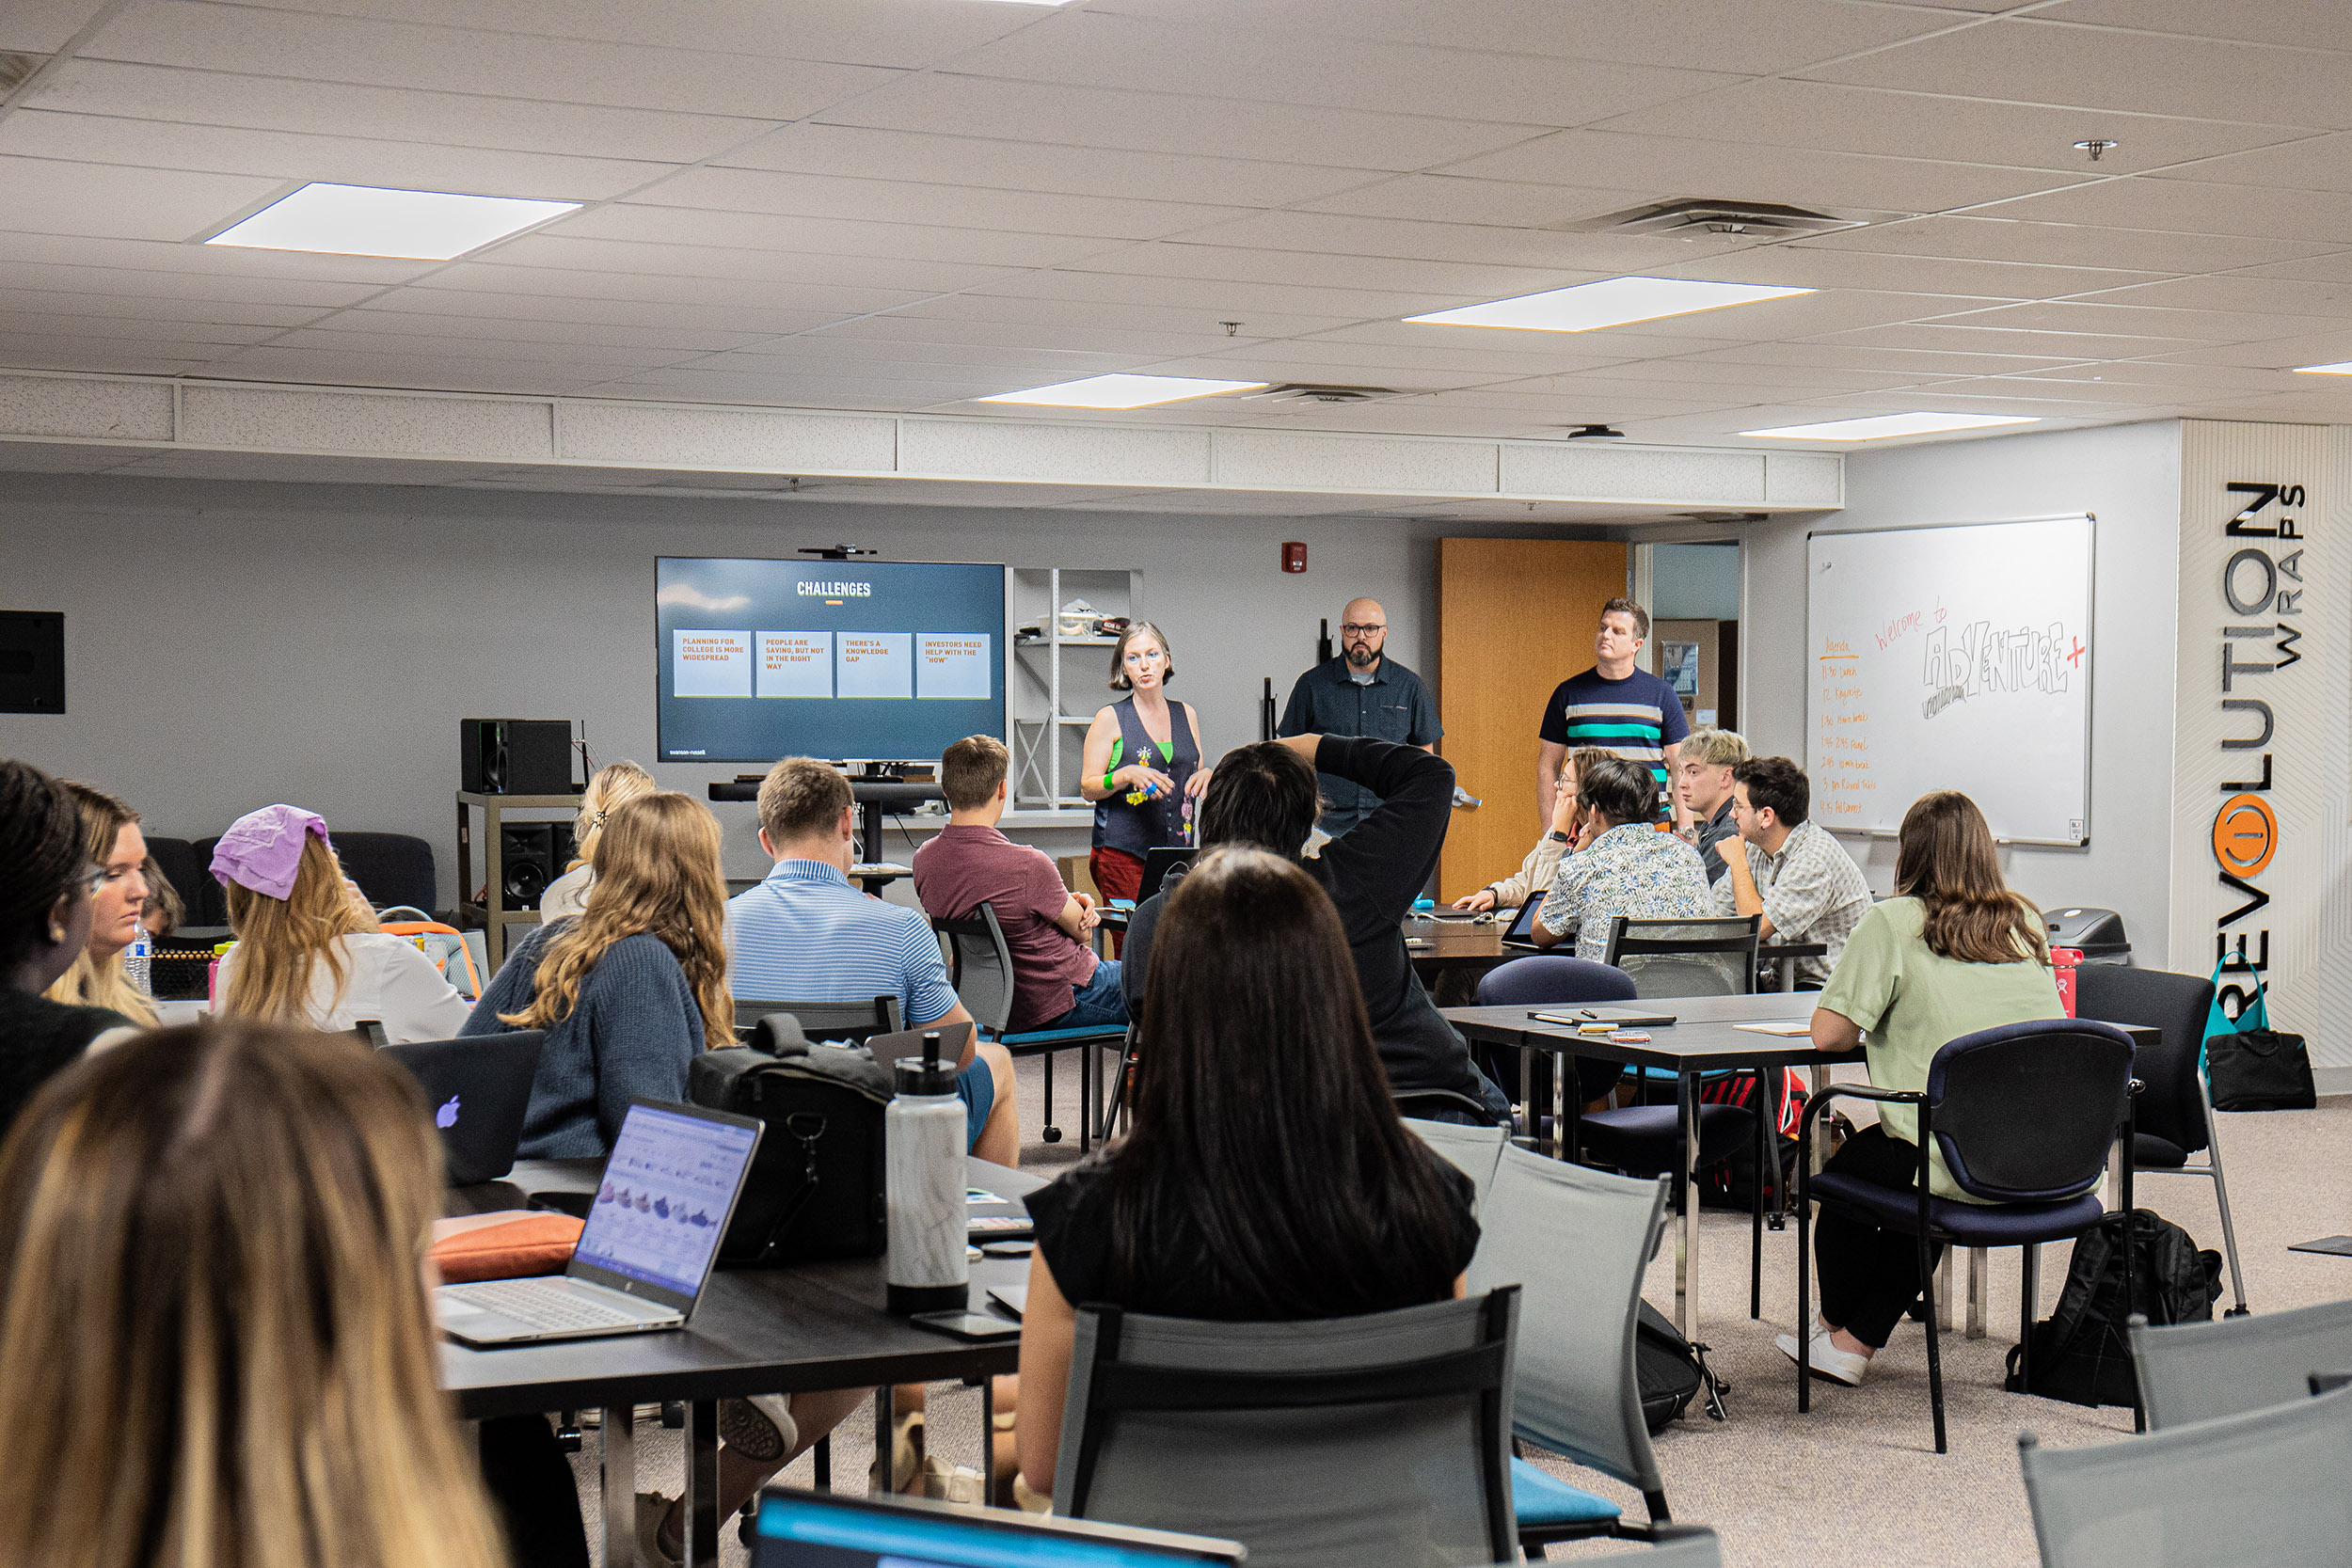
pixel 1326 1443
pixel 1474 1151
pixel 1677 1547
pixel 2262 1489
pixel 2024 1116
pixel 981 966
pixel 1575 1242
pixel 2198 1372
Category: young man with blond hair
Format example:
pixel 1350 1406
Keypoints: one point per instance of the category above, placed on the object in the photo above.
pixel 1058 982
pixel 1703 765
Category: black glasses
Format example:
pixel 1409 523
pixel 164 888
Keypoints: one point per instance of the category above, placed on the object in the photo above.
pixel 1352 629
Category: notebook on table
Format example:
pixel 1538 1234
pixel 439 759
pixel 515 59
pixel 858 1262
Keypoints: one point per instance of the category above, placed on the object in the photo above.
pixel 827 1529
pixel 668 1190
pixel 478 1091
pixel 1593 1017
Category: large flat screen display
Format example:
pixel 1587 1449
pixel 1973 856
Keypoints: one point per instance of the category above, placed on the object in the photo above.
pixel 842 660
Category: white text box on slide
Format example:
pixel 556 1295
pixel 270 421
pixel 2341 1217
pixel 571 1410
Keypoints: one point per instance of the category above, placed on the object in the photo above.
pixel 954 665
pixel 874 664
pixel 796 664
pixel 710 663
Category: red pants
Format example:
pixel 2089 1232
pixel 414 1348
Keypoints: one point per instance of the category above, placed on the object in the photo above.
pixel 1117 875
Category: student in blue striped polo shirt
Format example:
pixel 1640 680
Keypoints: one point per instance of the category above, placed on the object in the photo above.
pixel 1615 705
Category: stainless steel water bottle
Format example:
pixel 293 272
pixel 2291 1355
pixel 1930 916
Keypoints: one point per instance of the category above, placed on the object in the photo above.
pixel 923 1137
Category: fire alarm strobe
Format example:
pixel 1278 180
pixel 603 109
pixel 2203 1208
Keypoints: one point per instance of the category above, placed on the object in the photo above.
pixel 1294 556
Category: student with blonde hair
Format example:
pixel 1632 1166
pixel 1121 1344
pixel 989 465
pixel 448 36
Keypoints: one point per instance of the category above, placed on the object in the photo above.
pixel 219 1348
pixel 117 850
pixel 614 784
pixel 308 951
pixel 628 991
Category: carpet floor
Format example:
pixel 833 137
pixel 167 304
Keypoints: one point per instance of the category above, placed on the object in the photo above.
pixel 1858 1479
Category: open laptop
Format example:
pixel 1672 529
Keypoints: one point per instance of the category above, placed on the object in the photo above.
pixel 668 1190
pixel 827 1529
pixel 478 1089
pixel 890 1049
pixel 1158 861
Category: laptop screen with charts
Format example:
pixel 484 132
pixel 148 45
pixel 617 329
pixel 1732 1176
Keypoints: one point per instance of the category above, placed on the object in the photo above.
pixel 478 1089
pixel 826 1530
pixel 644 1252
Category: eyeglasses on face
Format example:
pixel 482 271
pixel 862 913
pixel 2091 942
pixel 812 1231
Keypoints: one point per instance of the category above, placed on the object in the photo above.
pixel 1354 628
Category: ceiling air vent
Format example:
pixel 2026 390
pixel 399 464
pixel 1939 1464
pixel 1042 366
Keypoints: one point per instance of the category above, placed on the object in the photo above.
pixel 1300 391
pixel 1690 217
pixel 16 70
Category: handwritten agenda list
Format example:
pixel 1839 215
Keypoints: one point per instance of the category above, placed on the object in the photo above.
pixel 1842 786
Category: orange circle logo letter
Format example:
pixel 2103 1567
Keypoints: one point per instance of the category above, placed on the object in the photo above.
pixel 2245 835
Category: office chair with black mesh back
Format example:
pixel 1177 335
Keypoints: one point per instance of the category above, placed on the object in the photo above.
pixel 981 971
pixel 825 1020
pixel 1686 957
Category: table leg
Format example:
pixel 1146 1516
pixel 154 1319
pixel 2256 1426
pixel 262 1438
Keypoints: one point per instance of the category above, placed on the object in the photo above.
pixel 1764 1165
pixel 702 1485
pixel 1569 1123
pixel 988 1440
pixel 1943 1292
pixel 1788 968
pixel 1978 1291
pixel 1687 1194
pixel 620 1486
pixel 820 1459
pixel 1527 1097
pixel 885 1461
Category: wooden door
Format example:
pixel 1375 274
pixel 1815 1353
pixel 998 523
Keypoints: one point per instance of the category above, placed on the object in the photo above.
pixel 1516 618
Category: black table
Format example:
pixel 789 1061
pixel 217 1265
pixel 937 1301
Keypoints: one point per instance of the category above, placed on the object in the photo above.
pixel 1704 1038
pixel 756 1331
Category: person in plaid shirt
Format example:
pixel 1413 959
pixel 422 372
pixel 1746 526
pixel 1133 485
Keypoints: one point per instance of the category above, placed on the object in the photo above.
pixel 1794 874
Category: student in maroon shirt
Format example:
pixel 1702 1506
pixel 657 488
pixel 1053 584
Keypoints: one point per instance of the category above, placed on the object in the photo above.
pixel 1058 982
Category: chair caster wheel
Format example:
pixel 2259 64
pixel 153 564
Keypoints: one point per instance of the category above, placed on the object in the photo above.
pixel 567 1435
pixel 673 1416
pixel 2238 1312
pixel 1051 1134
pixel 1775 1222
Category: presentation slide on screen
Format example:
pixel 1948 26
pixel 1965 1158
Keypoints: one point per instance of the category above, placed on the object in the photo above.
pixel 760 659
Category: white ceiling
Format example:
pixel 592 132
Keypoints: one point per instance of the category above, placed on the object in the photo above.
pixel 902 205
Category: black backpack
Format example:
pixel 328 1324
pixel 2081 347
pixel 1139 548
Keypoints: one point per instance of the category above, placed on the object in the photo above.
pixel 1671 1370
pixel 2082 1352
pixel 814 1191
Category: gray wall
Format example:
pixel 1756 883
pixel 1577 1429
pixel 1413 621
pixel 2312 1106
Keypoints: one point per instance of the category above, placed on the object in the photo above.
pixel 2128 477
pixel 1696 582
pixel 229 645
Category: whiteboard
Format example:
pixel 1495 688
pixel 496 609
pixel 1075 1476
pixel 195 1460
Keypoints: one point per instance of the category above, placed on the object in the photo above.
pixel 1954 657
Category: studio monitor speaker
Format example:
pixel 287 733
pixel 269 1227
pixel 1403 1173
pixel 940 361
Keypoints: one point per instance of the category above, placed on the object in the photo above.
pixel 515 757
pixel 526 863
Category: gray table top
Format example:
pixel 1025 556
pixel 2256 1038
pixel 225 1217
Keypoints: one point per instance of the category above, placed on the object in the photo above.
pixel 813 1325
pixel 1702 1036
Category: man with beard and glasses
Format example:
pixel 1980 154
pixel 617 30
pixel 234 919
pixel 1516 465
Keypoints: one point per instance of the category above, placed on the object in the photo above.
pixel 1361 692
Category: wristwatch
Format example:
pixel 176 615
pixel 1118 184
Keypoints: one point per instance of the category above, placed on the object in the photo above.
pixel 1558 838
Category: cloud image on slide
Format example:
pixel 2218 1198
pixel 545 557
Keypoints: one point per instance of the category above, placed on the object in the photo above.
pixel 694 598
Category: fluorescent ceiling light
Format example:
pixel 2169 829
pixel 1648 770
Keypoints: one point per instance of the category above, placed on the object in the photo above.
pixel 1613 303
pixel 362 220
pixel 2344 368
pixel 1880 426
pixel 1121 391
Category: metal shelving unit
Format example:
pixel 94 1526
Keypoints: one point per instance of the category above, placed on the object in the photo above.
pixel 1047 739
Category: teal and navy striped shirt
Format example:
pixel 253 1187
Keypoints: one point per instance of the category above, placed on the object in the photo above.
pixel 1636 718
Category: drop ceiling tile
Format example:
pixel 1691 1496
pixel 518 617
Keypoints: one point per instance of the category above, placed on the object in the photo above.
pixel 2255 292
pixel 1981 340
pixel 2105 67
pixel 283 155
pixel 52 351
pixel 1168 122
pixel 148 308
pixel 1734 36
pixel 2110 396
pixel 2319 162
pixel 1502 203
pixel 2332 267
pixel 2279 354
pixel 47 196
pixel 457 304
pixel 1994 239
pixel 2212 327
pixel 166 288
pixel 693 226
pixel 712 297
pixel 1676 336
pixel 1279 368
pixel 197 264
pixel 471 349
pixel 1332 358
pixel 811 196
pixel 1573 258
pixel 1128 343
pixel 1730 169
pixel 1809 266
pixel 2165 374
pixel 512 327
pixel 853 151
pixel 639 75
pixel 567 253
pixel 1823 117
pixel 1259 326
pixel 1227 299
pixel 2194 207
pixel 1925 363
pixel 2291 23
pixel 1082 47
pixel 1340 270
pixel 44 27
pixel 905 33
pixel 1714 372
pixel 273 104
pixel 429 372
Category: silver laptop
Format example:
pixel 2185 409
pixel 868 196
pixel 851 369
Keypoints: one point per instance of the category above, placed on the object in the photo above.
pixel 668 1190
pixel 889 1049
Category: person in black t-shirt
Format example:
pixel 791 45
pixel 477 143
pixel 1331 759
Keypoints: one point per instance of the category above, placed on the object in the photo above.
pixel 1268 1177
pixel 45 882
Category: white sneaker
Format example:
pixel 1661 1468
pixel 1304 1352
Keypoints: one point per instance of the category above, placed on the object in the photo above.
pixel 1826 1361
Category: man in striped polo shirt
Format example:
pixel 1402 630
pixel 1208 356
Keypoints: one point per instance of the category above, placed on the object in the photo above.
pixel 805 935
pixel 1615 705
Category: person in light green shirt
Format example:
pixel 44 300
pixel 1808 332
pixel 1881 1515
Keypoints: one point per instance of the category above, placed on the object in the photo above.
pixel 1955 952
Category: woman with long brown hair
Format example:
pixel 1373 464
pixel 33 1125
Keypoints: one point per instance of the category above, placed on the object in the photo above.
pixel 220 1353
pixel 117 849
pixel 1953 952
pixel 308 952
pixel 628 991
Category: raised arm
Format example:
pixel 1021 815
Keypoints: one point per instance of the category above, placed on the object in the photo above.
pixel 1549 756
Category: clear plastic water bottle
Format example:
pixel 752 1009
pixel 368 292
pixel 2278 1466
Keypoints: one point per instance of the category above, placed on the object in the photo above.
pixel 138 964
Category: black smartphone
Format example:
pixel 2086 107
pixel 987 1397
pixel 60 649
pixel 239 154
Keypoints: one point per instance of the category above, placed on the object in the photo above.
pixel 967 1325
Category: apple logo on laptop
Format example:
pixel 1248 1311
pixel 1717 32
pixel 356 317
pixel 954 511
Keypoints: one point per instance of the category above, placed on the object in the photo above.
pixel 447 1115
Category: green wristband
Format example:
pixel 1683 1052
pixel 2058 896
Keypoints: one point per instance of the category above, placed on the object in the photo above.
pixel 1110 787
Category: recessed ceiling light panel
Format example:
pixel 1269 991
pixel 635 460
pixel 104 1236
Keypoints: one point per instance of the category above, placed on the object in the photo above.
pixel 365 220
pixel 1121 391
pixel 1587 306
pixel 2342 368
pixel 1877 427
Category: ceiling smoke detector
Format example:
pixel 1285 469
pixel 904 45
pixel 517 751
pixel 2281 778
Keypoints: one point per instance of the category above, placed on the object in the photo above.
pixel 1683 219
pixel 1309 391
pixel 1593 433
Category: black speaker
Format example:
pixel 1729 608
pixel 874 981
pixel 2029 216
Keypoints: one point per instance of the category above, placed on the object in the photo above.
pixel 566 847
pixel 32 661
pixel 526 860
pixel 515 757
